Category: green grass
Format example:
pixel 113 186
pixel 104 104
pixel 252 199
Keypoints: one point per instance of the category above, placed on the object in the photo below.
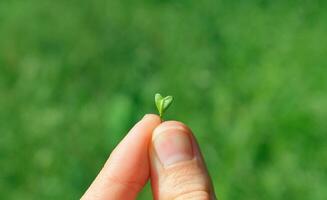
pixel 76 75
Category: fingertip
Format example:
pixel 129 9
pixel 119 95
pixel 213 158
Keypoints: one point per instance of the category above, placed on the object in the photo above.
pixel 152 117
pixel 176 160
pixel 166 125
pixel 172 142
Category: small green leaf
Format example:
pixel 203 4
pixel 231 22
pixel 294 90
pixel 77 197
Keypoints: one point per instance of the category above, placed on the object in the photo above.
pixel 167 102
pixel 162 103
pixel 158 98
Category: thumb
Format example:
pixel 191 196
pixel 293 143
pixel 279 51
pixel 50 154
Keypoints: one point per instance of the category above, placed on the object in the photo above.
pixel 177 167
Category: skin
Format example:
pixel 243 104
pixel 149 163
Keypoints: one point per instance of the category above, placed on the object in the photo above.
pixel 156 151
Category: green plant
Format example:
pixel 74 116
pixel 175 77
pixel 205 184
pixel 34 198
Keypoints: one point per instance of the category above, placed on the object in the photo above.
pixel 162 103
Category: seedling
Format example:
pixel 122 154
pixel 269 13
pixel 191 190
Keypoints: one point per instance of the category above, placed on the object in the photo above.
pixel 162 103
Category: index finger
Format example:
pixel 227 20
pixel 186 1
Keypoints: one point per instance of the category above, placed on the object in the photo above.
pixel 127 169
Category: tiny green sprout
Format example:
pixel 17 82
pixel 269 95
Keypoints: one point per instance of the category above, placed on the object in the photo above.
pixel 162 103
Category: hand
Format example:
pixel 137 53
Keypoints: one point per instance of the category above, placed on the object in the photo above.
pixel 167 152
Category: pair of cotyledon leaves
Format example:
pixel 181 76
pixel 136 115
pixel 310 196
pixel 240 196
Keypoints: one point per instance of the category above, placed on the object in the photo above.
pixel 162 103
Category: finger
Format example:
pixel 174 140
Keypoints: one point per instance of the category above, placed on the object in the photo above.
pixel 127 169
pixel 177 167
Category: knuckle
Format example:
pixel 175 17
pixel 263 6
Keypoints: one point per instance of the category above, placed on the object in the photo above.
pixel 194 195
pixel 131 184
pixel 186 182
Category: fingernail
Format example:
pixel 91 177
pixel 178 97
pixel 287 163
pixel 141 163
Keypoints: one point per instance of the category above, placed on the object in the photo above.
pixel 172 144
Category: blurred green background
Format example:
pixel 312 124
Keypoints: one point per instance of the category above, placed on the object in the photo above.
pixel 249 77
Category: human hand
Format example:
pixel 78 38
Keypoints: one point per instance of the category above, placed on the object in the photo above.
pixel 165 152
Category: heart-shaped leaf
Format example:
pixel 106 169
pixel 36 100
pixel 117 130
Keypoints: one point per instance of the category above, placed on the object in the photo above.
pixel 162 103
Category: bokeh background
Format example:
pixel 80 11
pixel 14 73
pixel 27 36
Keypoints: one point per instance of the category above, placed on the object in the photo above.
pixel 249 77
